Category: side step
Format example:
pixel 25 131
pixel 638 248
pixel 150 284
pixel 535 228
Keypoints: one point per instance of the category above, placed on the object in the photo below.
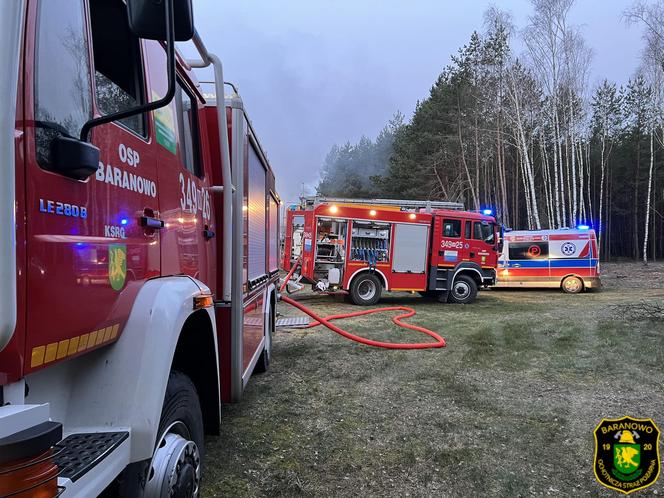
pixel 293 321
pixel 438 279
pixel 77 454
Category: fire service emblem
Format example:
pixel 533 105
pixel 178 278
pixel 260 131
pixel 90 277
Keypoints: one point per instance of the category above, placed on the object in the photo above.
pixel 117 265
pixel 627 453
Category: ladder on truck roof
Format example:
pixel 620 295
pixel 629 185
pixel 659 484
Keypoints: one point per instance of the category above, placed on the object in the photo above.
pixel 315 200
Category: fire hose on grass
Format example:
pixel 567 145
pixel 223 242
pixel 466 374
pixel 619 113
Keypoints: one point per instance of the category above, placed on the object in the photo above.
pixel 327 321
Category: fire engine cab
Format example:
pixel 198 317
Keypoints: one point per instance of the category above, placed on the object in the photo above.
pixel 365 246
pixel 138 249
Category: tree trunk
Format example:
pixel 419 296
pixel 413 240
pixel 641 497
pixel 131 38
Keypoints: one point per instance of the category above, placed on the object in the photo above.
pixel 635 200
pixel 652 163
pixel 600 227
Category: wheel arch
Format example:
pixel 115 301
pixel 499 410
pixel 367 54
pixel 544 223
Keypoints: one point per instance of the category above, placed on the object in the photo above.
pixel 270 316
pixel 583 282
pixel 359 272
pixel 196 356
pixel 474 273
pixel 123 385
pixel 272 302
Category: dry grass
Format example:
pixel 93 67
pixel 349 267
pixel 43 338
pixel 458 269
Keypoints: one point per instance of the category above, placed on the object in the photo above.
pixel 507 409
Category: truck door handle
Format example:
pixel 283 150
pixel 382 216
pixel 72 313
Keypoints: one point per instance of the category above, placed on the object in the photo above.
pixel 150 222
pixel 516 265
pixel 472 254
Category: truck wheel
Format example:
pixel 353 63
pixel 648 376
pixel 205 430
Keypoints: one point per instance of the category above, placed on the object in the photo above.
pixel 463 291
pixel 572 285
pixel 175 469
pixel 365 289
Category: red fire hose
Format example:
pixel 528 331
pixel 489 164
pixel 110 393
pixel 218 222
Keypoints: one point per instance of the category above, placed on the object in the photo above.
pixel 440 342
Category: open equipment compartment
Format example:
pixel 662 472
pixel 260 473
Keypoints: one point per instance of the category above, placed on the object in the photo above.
pixel 298 235
pixel 370 242
pixel 330 254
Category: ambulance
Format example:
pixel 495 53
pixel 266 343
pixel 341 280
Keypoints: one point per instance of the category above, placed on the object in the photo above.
pixel 565 258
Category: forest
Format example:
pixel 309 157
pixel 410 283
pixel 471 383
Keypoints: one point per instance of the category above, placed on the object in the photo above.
pixel 526 135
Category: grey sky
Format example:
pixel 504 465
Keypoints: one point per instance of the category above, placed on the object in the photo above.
pixel 316 73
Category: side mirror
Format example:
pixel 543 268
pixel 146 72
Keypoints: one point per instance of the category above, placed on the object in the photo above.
pixel 147 19
pixel 74 158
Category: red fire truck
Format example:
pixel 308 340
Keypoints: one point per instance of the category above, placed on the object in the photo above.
pixel 138 250
pixel 365 246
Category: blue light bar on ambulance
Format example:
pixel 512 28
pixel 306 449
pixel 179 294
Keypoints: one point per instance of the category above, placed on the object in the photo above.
pixel 583 227
pixel 487 212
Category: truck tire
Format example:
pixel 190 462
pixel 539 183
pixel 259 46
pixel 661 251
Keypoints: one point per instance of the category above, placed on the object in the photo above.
pixel 463 291
pixel 365 289
pixel 572 285
pixel 175 469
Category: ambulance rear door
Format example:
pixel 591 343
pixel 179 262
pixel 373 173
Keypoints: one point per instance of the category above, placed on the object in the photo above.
pixel 571 254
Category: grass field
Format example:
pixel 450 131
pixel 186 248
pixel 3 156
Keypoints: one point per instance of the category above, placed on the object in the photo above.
pixel 507 409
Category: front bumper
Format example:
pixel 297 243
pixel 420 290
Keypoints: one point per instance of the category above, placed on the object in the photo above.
pixel 592 283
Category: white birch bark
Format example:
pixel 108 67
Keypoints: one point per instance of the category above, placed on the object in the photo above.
pixel 647 222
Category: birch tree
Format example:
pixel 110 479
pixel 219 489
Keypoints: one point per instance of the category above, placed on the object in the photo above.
pixel 523 96
pixel 607 118
pixel 545 38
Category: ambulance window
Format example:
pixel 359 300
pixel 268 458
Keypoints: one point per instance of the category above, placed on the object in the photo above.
pixel 63 101
pixel 452 228
pixel 187 117
pixel 118 66
pixel 528 250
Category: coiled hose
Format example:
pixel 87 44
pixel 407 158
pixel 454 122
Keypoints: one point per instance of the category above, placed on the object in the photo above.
pixel 327 321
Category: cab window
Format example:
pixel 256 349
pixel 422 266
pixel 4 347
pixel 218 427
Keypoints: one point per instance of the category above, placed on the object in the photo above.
pixel 483 231
pixel 63 100
pixel 118 66
pixel 187 117
pixel 452 228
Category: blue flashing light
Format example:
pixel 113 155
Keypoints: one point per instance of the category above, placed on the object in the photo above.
pixel 583 227
pixel 487 212
pixel 124 221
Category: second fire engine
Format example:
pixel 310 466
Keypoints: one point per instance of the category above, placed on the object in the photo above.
pixel 365 246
